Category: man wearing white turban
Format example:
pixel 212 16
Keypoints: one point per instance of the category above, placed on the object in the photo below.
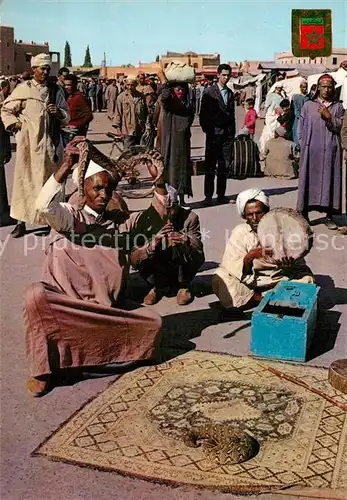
pixel 34 112
pixel 251 194
pixel 247 269
pixel 77 316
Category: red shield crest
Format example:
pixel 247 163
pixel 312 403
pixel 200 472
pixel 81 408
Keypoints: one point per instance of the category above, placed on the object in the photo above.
pixel 312 37
pixel 311 33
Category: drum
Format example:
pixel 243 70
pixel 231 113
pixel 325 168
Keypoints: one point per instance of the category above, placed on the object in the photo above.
pixel 286 232
pixel 338 375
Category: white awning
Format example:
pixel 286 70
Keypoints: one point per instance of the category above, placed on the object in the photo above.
pixel 243 81
pixel 340 77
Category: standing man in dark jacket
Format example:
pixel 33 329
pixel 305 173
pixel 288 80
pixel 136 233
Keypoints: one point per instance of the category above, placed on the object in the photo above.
pixel 217 120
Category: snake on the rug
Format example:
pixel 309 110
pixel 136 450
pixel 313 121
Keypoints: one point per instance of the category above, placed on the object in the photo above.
pixel 222 443
pixel 123 167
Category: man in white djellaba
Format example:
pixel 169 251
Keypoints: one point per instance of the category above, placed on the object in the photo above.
pixel 247 270
pixel 34 112
pixel 272 103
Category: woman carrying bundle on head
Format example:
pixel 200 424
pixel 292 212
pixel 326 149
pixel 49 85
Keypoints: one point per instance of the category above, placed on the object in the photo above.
pixel 177 119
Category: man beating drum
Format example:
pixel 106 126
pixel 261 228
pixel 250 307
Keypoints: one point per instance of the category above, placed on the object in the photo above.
pixel 260 254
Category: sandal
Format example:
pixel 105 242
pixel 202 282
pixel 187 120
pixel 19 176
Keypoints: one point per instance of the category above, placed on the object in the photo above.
pixel 330 224
pixel 39 386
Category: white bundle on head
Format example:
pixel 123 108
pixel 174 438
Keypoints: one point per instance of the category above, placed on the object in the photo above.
pixel 281 131
pixel 250 194
pixel 131 79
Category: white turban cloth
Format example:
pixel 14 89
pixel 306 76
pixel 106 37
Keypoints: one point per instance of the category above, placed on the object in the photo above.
pixel 250 194
pixel 40 60
pixel 281 131
pixel 172 193
pixel 93 168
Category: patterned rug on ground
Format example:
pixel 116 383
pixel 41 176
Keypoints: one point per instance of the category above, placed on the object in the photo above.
pixel 135 426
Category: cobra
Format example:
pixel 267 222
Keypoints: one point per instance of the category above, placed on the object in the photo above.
pixel 122 168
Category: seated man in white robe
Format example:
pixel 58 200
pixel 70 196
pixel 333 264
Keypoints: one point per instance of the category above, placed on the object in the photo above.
pixel 247 269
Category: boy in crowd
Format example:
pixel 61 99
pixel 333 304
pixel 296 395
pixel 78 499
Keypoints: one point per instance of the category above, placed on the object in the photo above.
pixel 250 117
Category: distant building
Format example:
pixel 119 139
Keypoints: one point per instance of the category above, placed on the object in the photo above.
pixel 15 55
pixel 250 67
pixel 120 72
pixel 205 66
pixel 331 62
pixel 236 68
pixel 7 60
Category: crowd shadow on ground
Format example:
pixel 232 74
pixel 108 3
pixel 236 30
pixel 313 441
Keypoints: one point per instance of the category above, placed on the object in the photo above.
pixel 231 199
pixel 182 327
pixel 201 286
pixel 194 205
pixel 279 191
pixel 328 325
pixel 179 329
pixel 329 295
pixel 340 220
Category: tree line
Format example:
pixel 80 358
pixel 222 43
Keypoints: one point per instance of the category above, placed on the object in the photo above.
pixel 68 58
pixel 87 58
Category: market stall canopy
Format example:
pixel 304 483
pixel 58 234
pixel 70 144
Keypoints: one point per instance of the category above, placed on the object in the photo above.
pixel 292 85
pixel 274 66
pixel 310 69
pixel 243 81
pixel 302 69
pixel 86 72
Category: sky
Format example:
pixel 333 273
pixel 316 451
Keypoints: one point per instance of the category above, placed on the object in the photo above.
pixel 130 31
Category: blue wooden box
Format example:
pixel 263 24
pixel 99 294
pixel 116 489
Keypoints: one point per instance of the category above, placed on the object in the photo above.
pixel 283 324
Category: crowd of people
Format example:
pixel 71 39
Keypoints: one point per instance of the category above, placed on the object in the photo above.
pixel 77 316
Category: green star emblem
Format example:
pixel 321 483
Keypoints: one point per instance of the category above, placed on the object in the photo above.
pixel 314 37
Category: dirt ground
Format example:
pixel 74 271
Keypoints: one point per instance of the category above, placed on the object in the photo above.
pixel 26 422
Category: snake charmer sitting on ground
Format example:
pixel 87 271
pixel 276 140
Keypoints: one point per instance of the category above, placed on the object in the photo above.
pixel 76 315
pixel 168 250
pixel 247 269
